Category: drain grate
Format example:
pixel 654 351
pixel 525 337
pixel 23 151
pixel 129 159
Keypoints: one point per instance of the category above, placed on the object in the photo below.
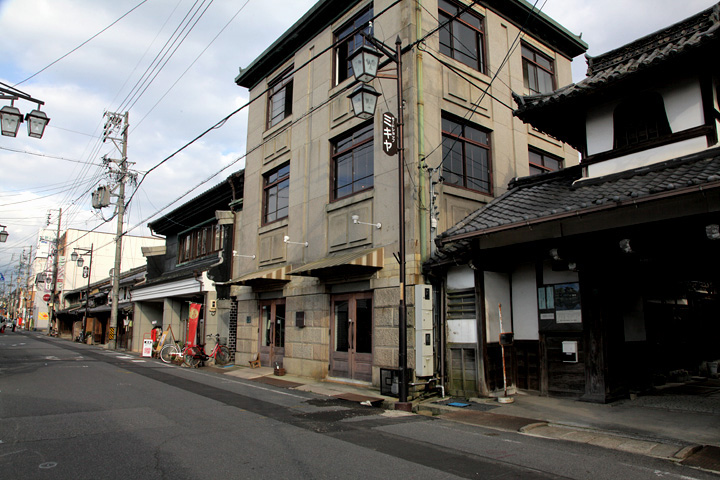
pixel 708 458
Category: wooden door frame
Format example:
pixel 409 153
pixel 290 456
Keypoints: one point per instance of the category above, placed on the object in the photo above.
pixel 352 299
pixel 272 303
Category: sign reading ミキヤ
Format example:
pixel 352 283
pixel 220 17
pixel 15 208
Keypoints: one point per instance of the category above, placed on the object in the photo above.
pixel 389 133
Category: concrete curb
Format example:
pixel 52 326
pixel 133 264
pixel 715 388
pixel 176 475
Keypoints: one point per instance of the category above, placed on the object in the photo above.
pixel 652 448
pixel 668 450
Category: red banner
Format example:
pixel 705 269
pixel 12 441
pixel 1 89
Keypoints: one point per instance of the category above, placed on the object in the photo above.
pixel 193 322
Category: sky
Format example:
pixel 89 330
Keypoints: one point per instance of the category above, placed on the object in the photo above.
pixel 171 64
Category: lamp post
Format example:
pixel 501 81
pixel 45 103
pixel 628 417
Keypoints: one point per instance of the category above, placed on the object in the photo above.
pixel 77 258
pixel 365 61
pixel 11 118
pixel 3 234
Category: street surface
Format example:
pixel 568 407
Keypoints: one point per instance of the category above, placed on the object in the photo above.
pixel 72 411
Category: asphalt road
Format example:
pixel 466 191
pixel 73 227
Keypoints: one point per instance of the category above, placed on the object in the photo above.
pixel 72 411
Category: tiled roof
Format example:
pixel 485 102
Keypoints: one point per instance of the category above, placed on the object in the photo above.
pixel 545 197
pixel 552 112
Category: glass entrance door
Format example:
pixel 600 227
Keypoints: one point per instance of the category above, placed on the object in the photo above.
pixel 272 332
pixel 351 336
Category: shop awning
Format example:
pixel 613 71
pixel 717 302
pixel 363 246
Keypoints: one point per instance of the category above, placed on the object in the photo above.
pixel 266 277
pixel 346 264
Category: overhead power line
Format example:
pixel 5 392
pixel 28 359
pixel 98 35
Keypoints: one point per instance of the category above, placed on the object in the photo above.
pixel 81 45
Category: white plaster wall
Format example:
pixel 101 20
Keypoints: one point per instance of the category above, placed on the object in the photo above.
pixel 524 303
pixel 599 128
pixel 460 278
pixel 497 292
pixel 550 277
pixel 683 105
pixel 647 157
pixel 461 330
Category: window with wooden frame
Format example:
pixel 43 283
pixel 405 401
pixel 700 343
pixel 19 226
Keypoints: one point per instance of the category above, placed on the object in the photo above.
pixel 353 162
pixel 280 98
pixel 200 242
pixel 541 162
pixel 538 71
pixel 276 194
pixel 347 39
pixel 466 155
pixel 639 120
pixel 461 36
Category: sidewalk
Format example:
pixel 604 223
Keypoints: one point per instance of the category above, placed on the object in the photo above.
pixel 679 428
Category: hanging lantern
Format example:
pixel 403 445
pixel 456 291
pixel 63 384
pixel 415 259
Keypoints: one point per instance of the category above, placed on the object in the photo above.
pixel 10 120
pixel 36 123
pixel 364 101
pixel 365 60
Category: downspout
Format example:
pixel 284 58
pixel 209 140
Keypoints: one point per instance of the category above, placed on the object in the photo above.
pixel 423 211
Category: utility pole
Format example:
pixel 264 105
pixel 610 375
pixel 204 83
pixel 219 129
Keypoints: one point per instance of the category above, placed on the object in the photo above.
pixel 117 123
pixel 53 295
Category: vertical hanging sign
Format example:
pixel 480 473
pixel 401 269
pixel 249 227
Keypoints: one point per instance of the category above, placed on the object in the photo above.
pixel 389 132
pixel 193 322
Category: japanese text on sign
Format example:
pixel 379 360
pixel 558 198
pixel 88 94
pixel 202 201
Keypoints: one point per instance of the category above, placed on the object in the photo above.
pixel 389 132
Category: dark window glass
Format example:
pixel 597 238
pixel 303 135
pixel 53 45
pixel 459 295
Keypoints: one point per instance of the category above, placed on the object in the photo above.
pixel 541 162
pixel 640 120
pixel 342 326
pixel 461 37
pixel 347 39
pixel 280 98
pixel 200 243
pixel 276 194
pixel 466 155
pixel 538 71
pixel 352 161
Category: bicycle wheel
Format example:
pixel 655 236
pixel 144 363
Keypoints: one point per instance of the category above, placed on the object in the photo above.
pixel 169 352
pixel 189 358
pixel 222 357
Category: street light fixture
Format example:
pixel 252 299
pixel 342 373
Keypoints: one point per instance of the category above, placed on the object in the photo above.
pixel 364 101
pixel 365 61
pixel 36 123
pixel 11 118
pixel 3 234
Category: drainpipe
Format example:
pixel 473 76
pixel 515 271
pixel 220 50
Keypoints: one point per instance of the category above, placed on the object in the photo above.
pixel 422 203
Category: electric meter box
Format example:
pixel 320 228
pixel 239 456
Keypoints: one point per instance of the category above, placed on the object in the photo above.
pixel 424 340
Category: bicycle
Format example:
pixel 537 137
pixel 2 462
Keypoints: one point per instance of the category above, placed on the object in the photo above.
pixel 171 351
pixel 193 354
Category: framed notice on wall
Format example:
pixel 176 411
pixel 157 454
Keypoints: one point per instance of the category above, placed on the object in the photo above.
pixel 567 303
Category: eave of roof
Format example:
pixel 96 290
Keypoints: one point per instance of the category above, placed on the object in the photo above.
pixel 319 17
pixel 550 197
pixel 562 113
pixel 325 12
pixel 199 208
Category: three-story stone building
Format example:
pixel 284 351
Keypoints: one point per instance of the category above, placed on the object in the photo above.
pixel 316 274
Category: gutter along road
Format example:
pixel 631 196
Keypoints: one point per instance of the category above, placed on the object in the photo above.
pixel 73 411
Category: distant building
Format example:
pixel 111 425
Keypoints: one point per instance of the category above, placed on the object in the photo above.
pixel 72 277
